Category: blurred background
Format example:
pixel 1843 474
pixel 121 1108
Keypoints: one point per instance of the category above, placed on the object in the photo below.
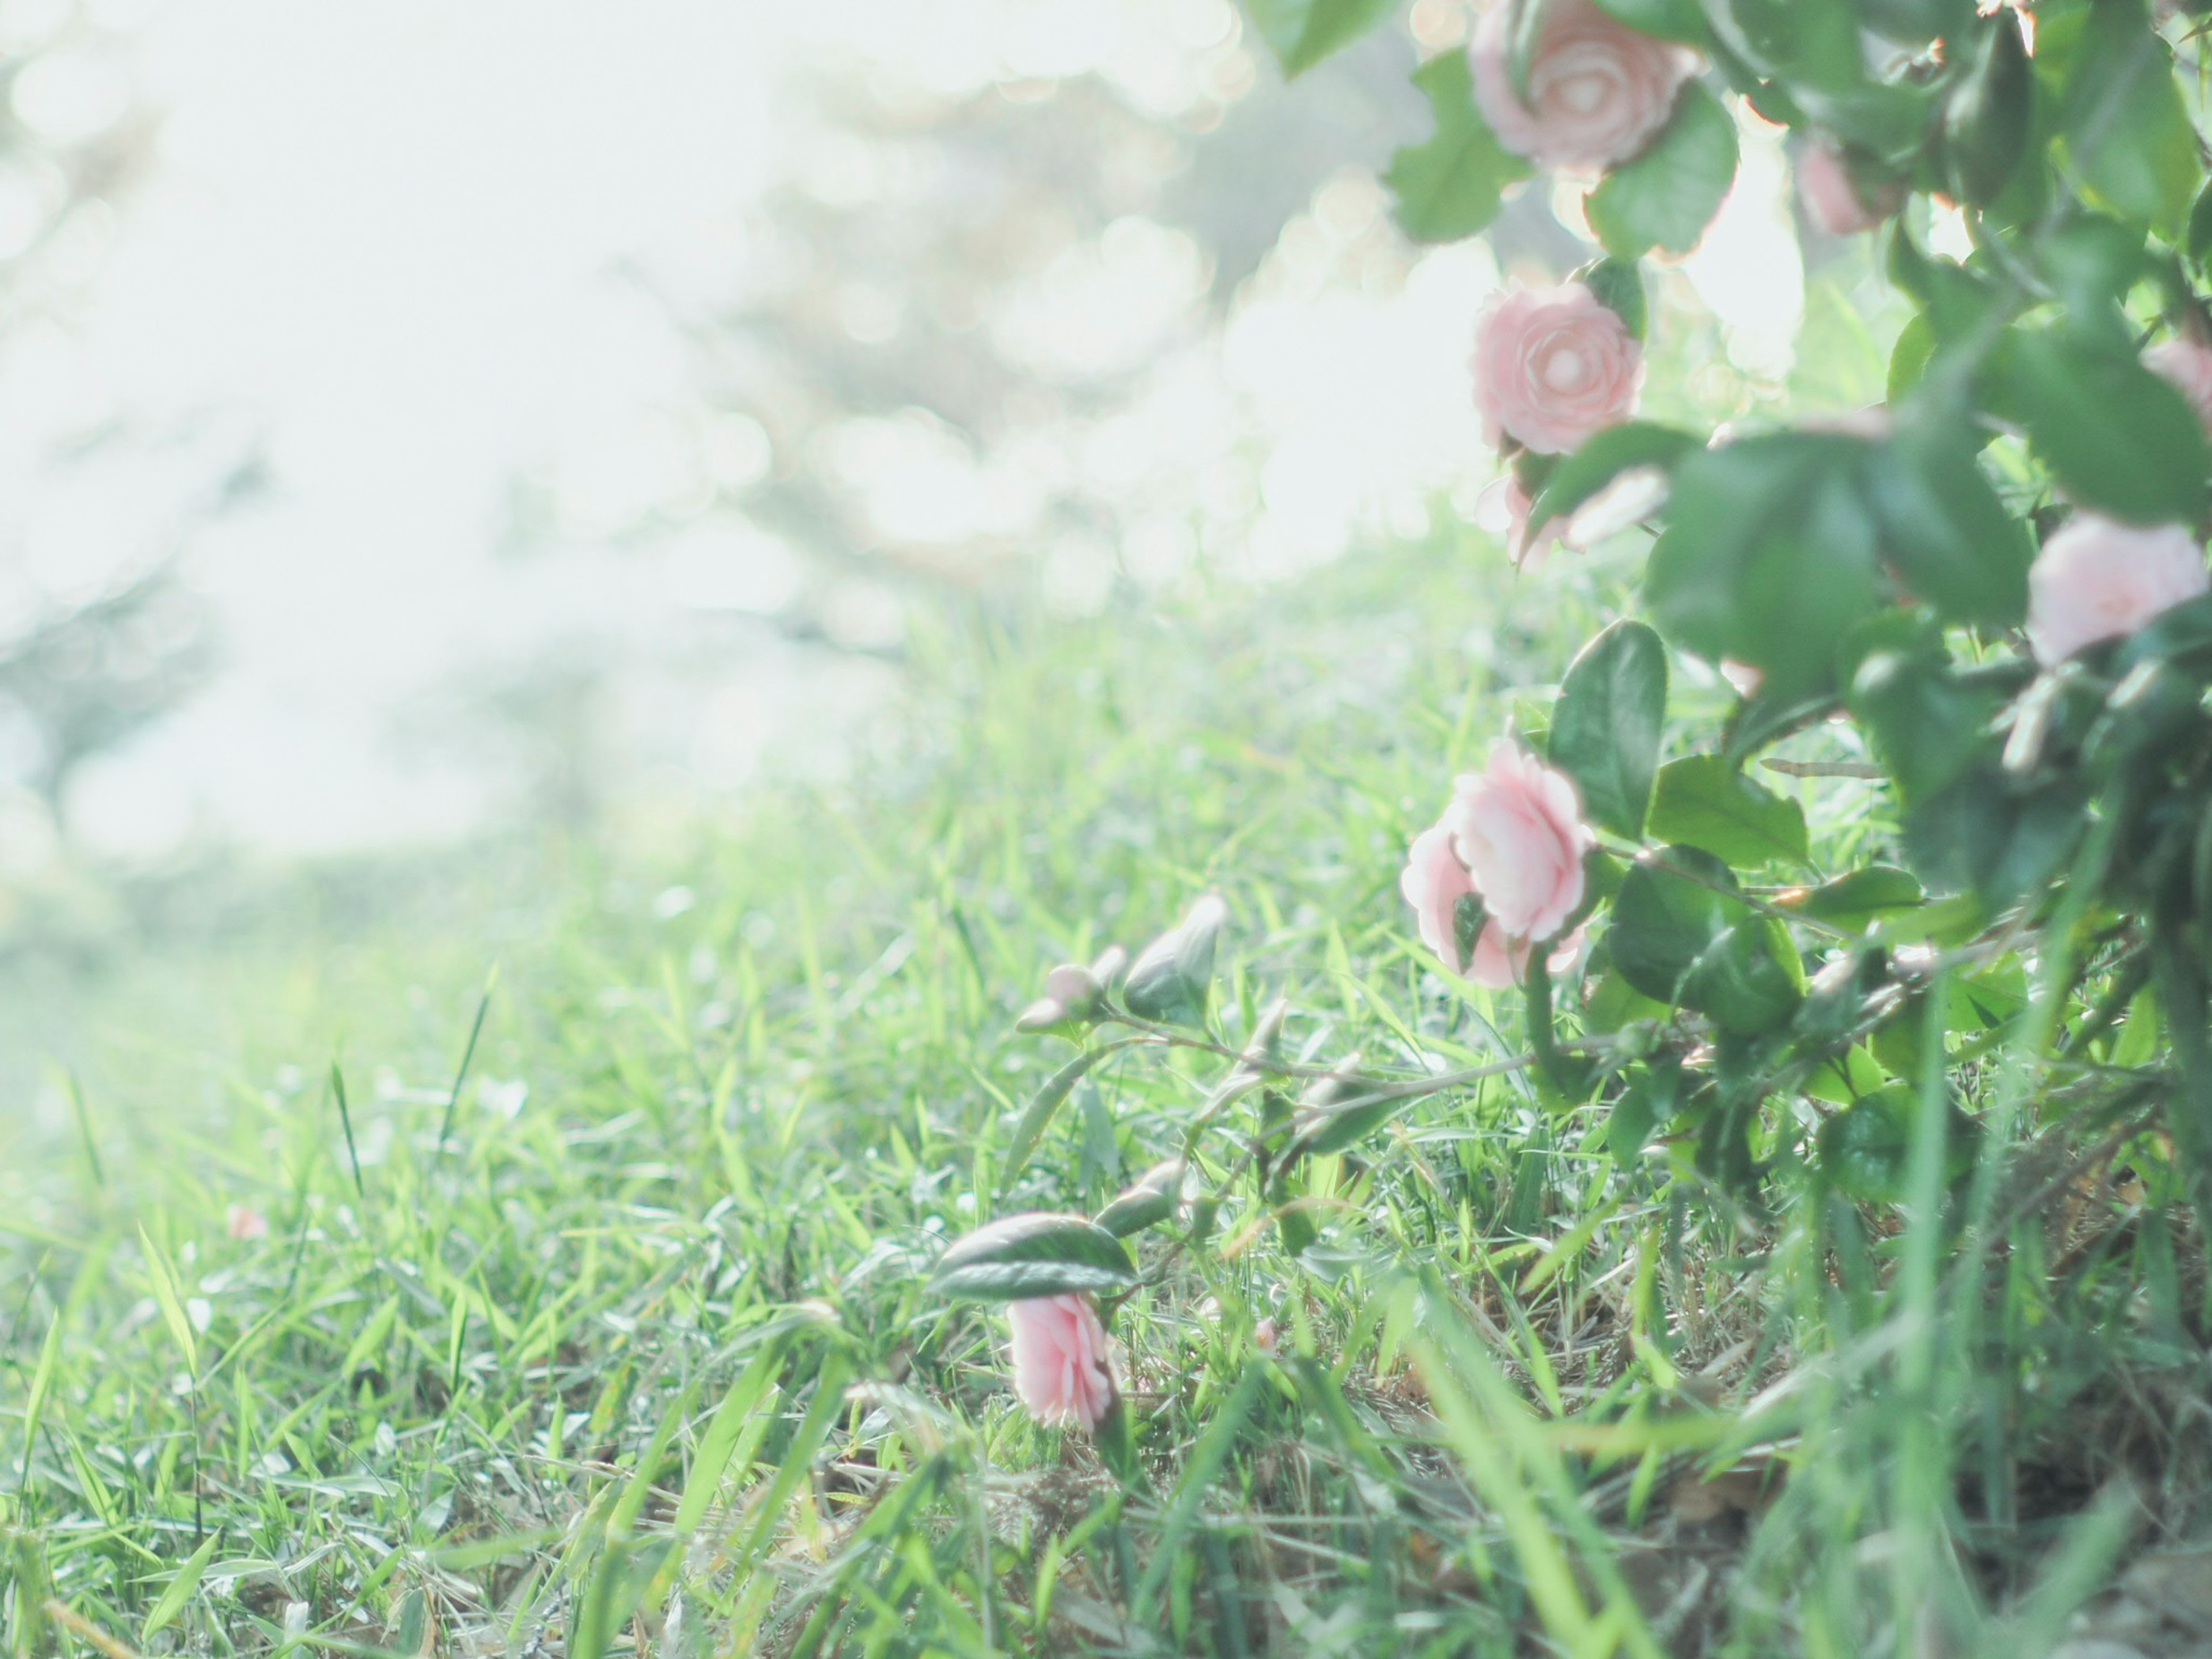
pixel 432 434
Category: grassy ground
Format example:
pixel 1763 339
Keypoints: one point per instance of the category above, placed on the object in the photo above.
pixel 622 1340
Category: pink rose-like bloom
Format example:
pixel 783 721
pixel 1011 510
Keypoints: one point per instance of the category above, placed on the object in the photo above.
pixel 1500 963
pixel 1552 366
pixel 2101 579
pixel 1599 91
pixel 1433 883
pixel 2188 365
pixel 243 1223
pixel 1061 1369
pixel 1517 826
pixel 1832 200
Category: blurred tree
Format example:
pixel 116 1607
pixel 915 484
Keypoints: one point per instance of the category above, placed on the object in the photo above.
pixel 101 634
pixel 972 338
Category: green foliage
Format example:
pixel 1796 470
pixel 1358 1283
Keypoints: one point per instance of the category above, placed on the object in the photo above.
pixel 1664 199
pixel 1605 728
pixel 1452 185
pixel 1301 32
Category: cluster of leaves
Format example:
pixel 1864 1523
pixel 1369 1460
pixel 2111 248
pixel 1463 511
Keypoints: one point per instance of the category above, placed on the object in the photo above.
pixel 2031 854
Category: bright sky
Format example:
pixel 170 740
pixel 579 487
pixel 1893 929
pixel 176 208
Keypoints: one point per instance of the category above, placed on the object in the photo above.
pixel 387 239
pixel 386 235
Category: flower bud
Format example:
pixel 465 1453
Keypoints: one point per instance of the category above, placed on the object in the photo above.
pixel 1076 988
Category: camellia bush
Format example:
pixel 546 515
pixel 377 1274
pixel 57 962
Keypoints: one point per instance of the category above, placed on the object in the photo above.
pixel 1983 605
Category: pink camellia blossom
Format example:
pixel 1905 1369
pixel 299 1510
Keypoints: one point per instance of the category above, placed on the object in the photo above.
pixel 2188 365
pixel 245 1223
pixel 1500 963
pixel 1831 201
pixel 1061 1369
pixel 1599 91
pixel 2098 579
pixel 1552 366
pixel 1433 882
pixel 1517 826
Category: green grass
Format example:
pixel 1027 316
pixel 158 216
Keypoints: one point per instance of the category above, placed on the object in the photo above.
pixel 642 1356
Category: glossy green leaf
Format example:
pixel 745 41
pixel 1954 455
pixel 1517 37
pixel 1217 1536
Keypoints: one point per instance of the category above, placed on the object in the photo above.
pixel 1991 112
pixel 1671 907
pixel 1451 186
pixel 1855 902
pixel 1908 358
pixel 1043 1106
pixel 1769 556
pixel 1749 979
pixel 1301 32
pixel 1032 1256
pixel 1702 801
pixel 1866 1151
pixel 1915 20
pixel 2125 128
pixel 1602 458
pixel 1928 726
pixel 1943 528
pixel 1605 727
pixel 1618 285
pixel 1666 197
pixel 1662 20
pixel 2117 436
pixel 1146 1202
pixel 1173 977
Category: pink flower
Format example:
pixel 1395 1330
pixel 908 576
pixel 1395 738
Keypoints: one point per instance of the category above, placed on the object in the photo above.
pixel 2101 579
pixel 1433 883
pixel 2189 367
pixel 1517 826
pixel 1264 1336
pixel 1552 366
pixel 1500 963
pixel 1831 201
pixel 1061 1370
pixel 243 1222
pixel 1599 91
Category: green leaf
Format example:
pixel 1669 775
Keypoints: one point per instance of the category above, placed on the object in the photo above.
pixel 1669 910
pixel 1301 32
pixel 1619 285
pixel 1769 556
pixel 1043 1106
pixel 1603 458
pixel 1908 358
pixel 169 1297
pixel 2124 126
pixel 2200 228
pixel 1749 979
pixel 1032 1256
pixel 2117 436
pixel 1928 726
pixel 1942 527
pixel 1451 186
pixel 1170 981
pixel 1916 20
pixel 179 1590
pixel 1866 1151
pixel 1702 801
pixel 1607 724
pixel 1990 116
pixel 1854 902
pixel 1148 1200
pixel 1667 196
pixel 1662 20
